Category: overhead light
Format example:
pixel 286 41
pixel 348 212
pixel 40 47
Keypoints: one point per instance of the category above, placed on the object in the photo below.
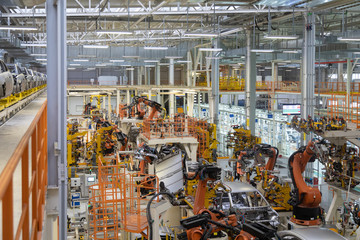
pixel 19 28
pixel 81 60
pixel 262 50
pixel 242 57
pixel 33 44
pixel 213 58
pixel 71 68
pixel 86 56
pixel 151 61
pixel 125 65
pixel 288 70
pixel 75 64
pixel 96 46
pixel 156 48
pixel 235 30
pixel 348 39
pixel 100 65
pixel 91 68
pixel 164 64
pixel 183 61
pixel 38 54
pixel 130 69
pixel 291 51
pixel 173 57
pixel 113 32
pixel 41 59
pixel 149 65
pixel 116 60
pixel 281 37
pixel 210 49
pixel 194 34
pixel 131 56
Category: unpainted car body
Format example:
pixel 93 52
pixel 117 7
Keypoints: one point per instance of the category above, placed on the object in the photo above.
pixel 20 83
pixel 248 202
pixel 6 81
pixel 310 233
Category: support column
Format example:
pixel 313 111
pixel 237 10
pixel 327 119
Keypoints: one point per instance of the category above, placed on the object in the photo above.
pixel 340 72
pixel 56 123
pixel 157 81
pixel 308 81
pixel 274 75
pixel 250 85
pixel 190 96
pixel 117 102
pixel 132 77
pixel 172 103
pixel 109 107
pixel 139 75
pixel 214 93
pixel 127 97
pixel 349 71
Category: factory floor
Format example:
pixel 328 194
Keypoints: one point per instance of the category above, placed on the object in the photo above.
pixel 11 133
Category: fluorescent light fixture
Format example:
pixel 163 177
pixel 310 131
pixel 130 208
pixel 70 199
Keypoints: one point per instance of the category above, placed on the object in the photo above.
pixel 261 69
pixel 81 60
pixel 151 61
pixel 213 58
pixel 75 64
pixel 290 51
pixel 210 49
pixel 194 34
pixel 100 65
pixel 242 57
pixel 164 64
pixel 117 60
pixel 131 56
pixel 41 59
pixel 96 46
pixel 156 48
pixel 125 65
pixel 113 32
pixel 91 68
pixel 288 70
pixel 262 50
pixel 149 65
pixel 38 54
pixel 173 57
pixel 130 69
pixel 348 39
pixel 235 30
pixel 281 37
pixel 71 68
pixel 86 56
pixel 33 44
pixel 183 61
pixel 19 28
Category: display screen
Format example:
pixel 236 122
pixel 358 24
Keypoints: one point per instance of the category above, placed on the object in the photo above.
pixel 91 179
pixel 291 109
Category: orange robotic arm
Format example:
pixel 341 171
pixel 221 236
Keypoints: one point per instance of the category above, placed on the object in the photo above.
pixel 305 199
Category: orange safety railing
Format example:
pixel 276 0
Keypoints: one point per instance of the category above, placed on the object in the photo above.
pixel 32 153
pixel 118 202
pixel 178 126
pixel 342 107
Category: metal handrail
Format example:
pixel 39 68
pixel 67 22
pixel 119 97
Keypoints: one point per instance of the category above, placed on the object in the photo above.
pixel 36 137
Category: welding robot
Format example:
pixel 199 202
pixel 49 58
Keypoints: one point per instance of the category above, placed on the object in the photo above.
pixel 136 102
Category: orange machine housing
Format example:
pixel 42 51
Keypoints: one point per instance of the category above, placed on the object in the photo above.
pixel 306 199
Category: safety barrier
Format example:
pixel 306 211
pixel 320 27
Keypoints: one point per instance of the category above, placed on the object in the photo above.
pixel 118 202
pixel 338 107
pixel 32 151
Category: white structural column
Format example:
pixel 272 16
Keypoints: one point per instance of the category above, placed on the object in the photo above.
pixel 157 81
pixel 109 106
pixel 308 62
pixel 214 93
pixel 56 90
pixel 190 96
pixel 250 85
pixel 117 101
pixel 274 76
pixel 340 72
pixel 349 71
pixel 132 77
pixel 139 75
pixel 171 83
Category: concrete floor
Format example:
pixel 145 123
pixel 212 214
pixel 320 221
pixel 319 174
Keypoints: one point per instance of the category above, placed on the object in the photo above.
pixel 11 133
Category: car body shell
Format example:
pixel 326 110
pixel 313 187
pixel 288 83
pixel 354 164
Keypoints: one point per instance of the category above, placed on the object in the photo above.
pixel 6 81
pixel 310 233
